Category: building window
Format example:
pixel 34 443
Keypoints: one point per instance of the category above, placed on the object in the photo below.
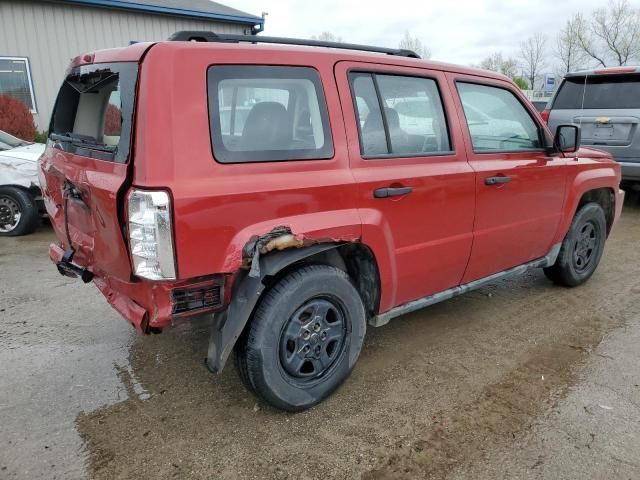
pixel 15 80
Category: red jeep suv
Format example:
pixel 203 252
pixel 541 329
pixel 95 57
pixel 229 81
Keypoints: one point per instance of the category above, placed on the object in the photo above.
pixel 297 191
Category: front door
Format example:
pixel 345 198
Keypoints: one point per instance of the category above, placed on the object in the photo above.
pixel 416 189
pixel 520 187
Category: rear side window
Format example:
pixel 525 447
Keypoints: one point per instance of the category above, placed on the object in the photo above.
pixel 399 115
pixel 497 121
pixel 267 113
pixel 601 91
pixel 94 111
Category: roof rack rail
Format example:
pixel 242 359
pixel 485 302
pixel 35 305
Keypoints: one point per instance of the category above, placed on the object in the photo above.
pixel 204 36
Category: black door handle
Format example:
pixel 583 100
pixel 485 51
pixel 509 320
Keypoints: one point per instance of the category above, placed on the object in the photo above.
pixel 496 180
pixel 391 192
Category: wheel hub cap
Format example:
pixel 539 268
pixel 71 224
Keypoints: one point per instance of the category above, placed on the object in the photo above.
pixel 585 246
pixel 9 214
pixel 312 339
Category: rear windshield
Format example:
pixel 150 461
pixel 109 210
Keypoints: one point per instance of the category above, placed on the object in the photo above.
pixel 94 110
pixel 620 91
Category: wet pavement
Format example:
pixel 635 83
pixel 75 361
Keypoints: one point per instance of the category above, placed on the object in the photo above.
pixel 521 379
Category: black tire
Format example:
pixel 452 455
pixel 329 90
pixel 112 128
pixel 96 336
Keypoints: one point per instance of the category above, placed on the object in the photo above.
pixel 16 200
pixel 304 338
pixel 581 248
pixel 240 362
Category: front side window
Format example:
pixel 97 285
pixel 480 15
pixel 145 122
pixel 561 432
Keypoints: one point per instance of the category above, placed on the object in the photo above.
pixel 497 121
pixel 266 113
pixel 15 80
pixel 399 115
pixel 94 111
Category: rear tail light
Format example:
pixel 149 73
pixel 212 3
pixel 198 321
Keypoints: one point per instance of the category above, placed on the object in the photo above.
pixel 151 234
pixel 545 115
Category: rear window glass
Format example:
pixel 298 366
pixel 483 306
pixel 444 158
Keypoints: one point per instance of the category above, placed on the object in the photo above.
pixel 94 110
pixel 399 115
pixel 600 91
pixel 265 113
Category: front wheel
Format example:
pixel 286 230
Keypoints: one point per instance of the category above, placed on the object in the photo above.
pixel 304 338
pixel 581 248
pixel 18 212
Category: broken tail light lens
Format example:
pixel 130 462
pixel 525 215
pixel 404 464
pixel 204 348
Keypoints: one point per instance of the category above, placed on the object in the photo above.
pixel 151 234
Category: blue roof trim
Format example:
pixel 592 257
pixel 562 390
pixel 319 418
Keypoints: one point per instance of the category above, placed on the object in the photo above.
pixel 128 5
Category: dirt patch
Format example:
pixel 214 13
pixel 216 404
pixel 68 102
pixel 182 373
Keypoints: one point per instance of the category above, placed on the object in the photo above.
pixel 432 390
pixel 500 413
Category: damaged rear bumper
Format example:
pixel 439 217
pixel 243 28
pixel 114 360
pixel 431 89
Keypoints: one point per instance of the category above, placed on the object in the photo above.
pixel 149 306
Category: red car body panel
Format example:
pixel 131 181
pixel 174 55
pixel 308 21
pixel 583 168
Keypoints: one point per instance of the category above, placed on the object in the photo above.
pixel 589 169
pixel 132 53
pixel 452 229
pixel 93 221
pixel 518 219
pixel 218 207
pixel 422 261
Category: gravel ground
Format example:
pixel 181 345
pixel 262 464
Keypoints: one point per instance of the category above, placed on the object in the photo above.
pixel 521 379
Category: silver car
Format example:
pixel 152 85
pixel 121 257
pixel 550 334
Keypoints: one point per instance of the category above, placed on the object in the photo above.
pixel 606 104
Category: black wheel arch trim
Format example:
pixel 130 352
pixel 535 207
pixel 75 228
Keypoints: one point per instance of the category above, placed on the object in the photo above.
pixel 228 325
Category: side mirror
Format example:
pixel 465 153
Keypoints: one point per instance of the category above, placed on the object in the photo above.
pixel 567 139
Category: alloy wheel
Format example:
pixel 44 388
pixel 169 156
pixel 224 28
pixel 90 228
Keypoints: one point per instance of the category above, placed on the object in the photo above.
pixel 10 214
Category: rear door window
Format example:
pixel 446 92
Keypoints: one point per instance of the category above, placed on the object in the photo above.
pixel 496 119
pixel 94 111
pixel 599 91
pixel 373 139
pixel 399 115
pixel 267 113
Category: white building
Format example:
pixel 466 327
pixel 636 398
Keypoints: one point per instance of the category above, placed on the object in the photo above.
pixel 39 37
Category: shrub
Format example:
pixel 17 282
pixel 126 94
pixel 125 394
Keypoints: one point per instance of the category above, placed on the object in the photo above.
pixel 41 137
pixel 522 83
pixel 112 121
pixel 16 118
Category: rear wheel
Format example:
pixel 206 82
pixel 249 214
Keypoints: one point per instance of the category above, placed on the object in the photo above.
pixel 581 248
pixel 18 212
pixel 304 338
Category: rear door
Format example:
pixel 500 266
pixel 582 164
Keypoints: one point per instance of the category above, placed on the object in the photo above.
pixel 85 165
pixel 415 187
pixel 607 108
pixel 520 188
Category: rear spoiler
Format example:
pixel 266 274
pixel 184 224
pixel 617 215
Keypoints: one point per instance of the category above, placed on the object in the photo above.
pixel 604 71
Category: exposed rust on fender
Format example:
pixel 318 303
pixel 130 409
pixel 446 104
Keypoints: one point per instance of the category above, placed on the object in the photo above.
pixel 282 242
pixel 279 238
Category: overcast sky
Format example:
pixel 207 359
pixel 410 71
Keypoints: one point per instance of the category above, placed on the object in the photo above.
pixel 457 31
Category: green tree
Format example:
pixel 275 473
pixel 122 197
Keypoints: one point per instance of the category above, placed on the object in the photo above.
pixel 522 83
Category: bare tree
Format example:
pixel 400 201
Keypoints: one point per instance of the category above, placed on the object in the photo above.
pixel 612 35
pixel 585 38
pixel 568 49
pixel 532 52
pixel 409 42
pixel 327 37
pixel 497 63
pixel 618 28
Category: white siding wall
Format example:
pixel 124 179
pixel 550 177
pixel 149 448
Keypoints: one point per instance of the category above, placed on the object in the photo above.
pixel 51 34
